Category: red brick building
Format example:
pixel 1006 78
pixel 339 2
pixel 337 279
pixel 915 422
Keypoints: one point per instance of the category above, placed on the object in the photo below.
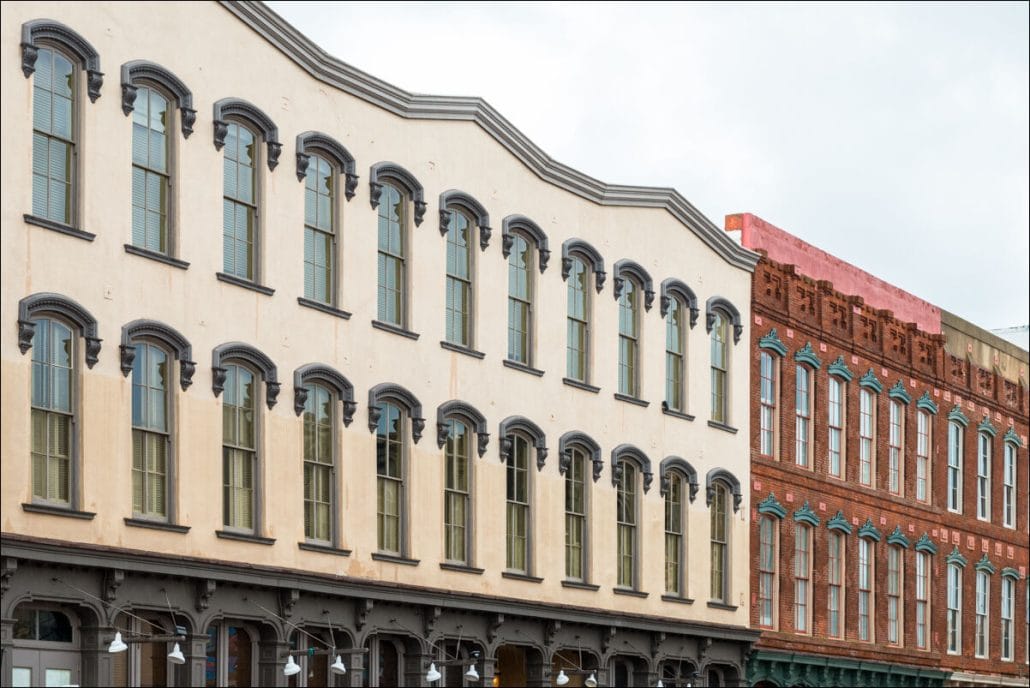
pixel 889 477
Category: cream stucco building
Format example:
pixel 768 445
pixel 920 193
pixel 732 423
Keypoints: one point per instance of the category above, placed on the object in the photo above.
pixel 297 362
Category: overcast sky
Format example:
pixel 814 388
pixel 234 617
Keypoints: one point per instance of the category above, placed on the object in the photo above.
pixel 893 136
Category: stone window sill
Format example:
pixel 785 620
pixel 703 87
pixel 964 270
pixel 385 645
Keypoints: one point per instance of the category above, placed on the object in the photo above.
pixel 245 537
pixel 51 510
pixel 59 227
pixel 715 604
pixel 515 575
pixel 722 426
pixel 631 400
pixel 245 283
pixel 394 559
pixel 579 585
pixel 324 307
pixel 468 351
pixel 394 329
pixel 156 256
pixel 515 365
pixel 677 599
pixel 156 525
pixel 675 414
pixel 461 568
pixel 578 384
pixel 324 549
pixel 629 592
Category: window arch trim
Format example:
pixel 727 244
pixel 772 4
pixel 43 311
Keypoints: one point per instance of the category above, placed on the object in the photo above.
pixel 868 531
pixel 395 394
pixel 955 558
pixel 925 544
pixel 581 440
pixel 254 116
pixel 44 303
pixel 807 355
pixel 721 475
pixel 69 40
pixel 310 142
pixel 629 451
pixel 898 538
pixel 391 171
pixel 577 248
pixel 526 426
pixel 926 403
pixel 987 428
pixel 871 382
pixel 729 311
pixel 136 70
pixel 167 335
pixel 231 352
pixel 898 392
pixel 676 464
pixel 839 369
pixel 331 378
pixel 520 224
pixel 839 523
pixel 629 269
pixel 673 288
pixel 468 414
pixel 806 515
pixel 772 342
pixel 957 416
pixel 463 201
pixel 770 506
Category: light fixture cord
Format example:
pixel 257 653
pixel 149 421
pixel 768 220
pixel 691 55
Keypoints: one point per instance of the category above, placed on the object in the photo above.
pixel 110 604
pixel 287 621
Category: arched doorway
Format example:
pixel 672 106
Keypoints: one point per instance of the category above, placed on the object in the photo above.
pixel 45 648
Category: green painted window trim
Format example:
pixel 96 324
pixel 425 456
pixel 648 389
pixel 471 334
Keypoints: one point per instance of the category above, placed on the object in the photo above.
pixel 985 565
pixel 806 515
pixel 925 544
pixel 771 506
pixel 773 342
pixel 897 538
pixel 987 427
pixel 1009 572
pixel 956 558
pixel 898 392
pixel 840 369
pixel 807 355
pixel 926 403
pixel 870 381
pixel 956 415
pixel 1012 437
pixel 868 530
pixel 840 523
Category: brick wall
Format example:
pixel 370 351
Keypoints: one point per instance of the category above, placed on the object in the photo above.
pixel 843 328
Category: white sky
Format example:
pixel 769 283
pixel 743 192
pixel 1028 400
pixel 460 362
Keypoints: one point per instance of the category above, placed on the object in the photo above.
pixel 893 136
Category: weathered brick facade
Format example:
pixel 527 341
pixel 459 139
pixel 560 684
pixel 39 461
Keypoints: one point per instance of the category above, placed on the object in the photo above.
pixel 915 369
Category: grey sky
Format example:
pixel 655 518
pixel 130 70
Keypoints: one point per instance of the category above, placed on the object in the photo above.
pixel 894 136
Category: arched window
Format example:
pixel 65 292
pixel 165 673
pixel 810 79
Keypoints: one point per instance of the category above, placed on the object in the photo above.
pixel 391 408
pixel 896 449
pixel 460 427
pixel 836 416
pixel 1008 612
pixel 148 92
pixel 675 357
pixel 804 392
pixel 627 498
pixel 869 388
pixel 678 486
pixel 922 600
pixel 1008 476
pixel 631 280
pixel 518 435
pixel 895 595
pixel 866 588
pixel 239 128
pixel 985 438
pixel 768 556
pixel 983 613
pixel 319 463
pixel 237 369
pixel 956 458
pixel 392 189
pixel 720 541
pixel 954 609
pixel 836 546
pixel 579 457
pixel 721 315
pixel 55 56
pixel 579 259
pixel 47 323
pixel 460 215
pixel 521 240
pixel 802 579
pixel 771 351
pixel 924 435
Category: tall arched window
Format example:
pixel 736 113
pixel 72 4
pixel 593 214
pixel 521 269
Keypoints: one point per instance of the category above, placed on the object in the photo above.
pixel 520 300
pixel 867 438
pixel 53 411
pixel 518 505
pixel 836 415
pixel 320 230
pixel 457 492
pixel 1008 493
pixel 674 536
pixel 866 588
pixel 767 576
pixel 237 369
pixel 675 356
pixel 576 515
pixel 803 416
pixel 47 324
pixel 983 613
pixel 836 545
pixel 458 312
pixel 954 609
pixel 896 448
pixel 629 340
pixel 54 138
pixel 922 600
pixel 956 431
pixel 319 463
pixel 392 279
pixel 720 367
pixel 577 322
pixel 770 355
pixel 720 538
pixel 1008 612
pixel 895 595
pixel 983 475
pixel 626 531
pixel 924 434
pixel 802 579
pixel 390 480
pixel 151 372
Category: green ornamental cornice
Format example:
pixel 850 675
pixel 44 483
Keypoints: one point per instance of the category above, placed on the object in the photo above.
pixel 807 355
pixel 898 392
pixel 840 523
pixel 897 538
pixel 773 342
pixel 956 558
pixel 956 415
pixel 985 565
pixel 868 530
pixel 840 369
pixel 1012 437
pixel 806 515
pixel 1009 572
pixel 926 403
pixel 771 506
pixel 925 544
pixel 987 427
pixel 870 381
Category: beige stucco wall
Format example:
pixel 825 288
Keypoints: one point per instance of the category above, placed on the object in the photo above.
pixel 217 56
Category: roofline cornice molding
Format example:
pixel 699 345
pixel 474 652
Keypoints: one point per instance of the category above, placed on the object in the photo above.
pixel 329 70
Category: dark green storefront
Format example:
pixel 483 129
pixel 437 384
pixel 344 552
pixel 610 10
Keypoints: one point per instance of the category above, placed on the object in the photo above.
pixel 782 669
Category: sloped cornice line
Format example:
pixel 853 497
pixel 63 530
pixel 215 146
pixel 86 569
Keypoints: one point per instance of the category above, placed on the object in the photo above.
pixel 327 69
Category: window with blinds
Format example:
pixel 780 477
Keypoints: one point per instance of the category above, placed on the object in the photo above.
pixel 53 411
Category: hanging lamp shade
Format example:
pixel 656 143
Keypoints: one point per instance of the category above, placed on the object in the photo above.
pixel 291 668
pixel 175 656
pixel 117 645
pixel 562 679
pixel 432 675
pixel 338 667
pixel 591 681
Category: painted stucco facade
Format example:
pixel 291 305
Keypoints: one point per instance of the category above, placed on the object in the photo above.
pixel 245 51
